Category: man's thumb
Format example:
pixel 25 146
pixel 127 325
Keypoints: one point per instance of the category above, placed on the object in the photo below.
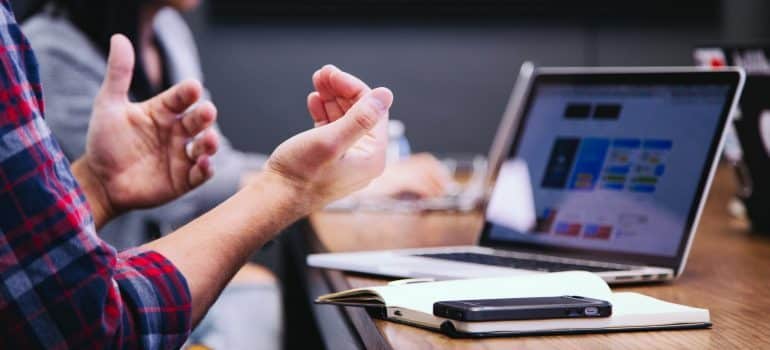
pixel 120 67
pixel 362 117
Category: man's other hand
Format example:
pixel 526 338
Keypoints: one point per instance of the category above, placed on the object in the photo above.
pixel 148 153
pixel 420 176
pixel 345 150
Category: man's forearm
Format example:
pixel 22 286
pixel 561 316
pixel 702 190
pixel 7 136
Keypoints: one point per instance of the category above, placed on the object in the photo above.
pixel 95 193
pixel 209 250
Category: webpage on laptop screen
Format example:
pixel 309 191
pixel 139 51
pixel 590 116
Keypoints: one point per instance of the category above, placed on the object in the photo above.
pixel 613 168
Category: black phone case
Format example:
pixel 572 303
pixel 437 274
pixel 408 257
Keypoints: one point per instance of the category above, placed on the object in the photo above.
pixel 515 312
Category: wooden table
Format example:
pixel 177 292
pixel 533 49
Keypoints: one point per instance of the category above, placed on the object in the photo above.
pixel 728 272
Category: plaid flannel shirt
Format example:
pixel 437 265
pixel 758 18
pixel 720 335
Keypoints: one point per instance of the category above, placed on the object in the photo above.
pixel 62 287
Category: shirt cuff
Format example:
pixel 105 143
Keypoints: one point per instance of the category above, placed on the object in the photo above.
pixel 159 296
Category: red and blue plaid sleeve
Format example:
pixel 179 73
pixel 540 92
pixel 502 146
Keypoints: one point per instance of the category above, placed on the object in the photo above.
pixel 62 287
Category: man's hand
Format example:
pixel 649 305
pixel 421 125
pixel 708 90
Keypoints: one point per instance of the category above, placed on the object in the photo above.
pixel 345 151
pixel 137 154
pixel 420 176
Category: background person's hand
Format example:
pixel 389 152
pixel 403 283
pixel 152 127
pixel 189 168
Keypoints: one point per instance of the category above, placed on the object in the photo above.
pixel 137 154
pixel 419 176
pixel 344 152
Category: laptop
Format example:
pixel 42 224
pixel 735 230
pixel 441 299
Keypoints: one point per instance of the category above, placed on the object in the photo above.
pixel 603 170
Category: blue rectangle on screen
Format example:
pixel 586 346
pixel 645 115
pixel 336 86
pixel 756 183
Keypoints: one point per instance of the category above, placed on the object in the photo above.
pixel 613 186
pixel 643 188
pixel 618 170
pixel 626 143
pixel 561 227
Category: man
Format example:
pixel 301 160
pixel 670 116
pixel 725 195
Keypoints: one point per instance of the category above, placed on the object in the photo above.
pixel 62 287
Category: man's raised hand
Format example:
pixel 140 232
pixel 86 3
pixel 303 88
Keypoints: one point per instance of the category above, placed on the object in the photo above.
pixel 335 93
pixel 345 150
pixel 148 153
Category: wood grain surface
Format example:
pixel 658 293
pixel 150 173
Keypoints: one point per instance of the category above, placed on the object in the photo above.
pixel 728 272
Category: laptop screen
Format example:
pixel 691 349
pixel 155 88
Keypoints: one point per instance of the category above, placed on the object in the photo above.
pixel 609 167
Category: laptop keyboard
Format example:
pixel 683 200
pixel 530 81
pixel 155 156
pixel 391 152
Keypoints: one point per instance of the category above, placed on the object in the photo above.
pixel 517 263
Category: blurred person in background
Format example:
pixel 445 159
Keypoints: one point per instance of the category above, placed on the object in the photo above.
pixel 71 40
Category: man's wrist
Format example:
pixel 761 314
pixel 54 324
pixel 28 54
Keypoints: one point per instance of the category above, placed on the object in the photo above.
pixel 289 196
pixel 96 195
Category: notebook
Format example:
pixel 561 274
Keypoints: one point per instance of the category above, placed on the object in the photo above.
pixel 412 304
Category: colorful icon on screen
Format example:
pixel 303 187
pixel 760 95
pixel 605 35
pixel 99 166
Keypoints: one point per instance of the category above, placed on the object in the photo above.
pixel 594 231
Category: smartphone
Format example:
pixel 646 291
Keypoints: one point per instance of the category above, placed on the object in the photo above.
pixel 522 308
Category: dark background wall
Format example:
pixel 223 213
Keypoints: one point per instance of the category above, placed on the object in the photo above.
pixel 451 75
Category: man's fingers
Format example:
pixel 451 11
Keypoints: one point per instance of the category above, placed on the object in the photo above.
pixel 201 171
pixel 347 85
pixel 120 67
pixel 316 107
pixel 200 118
pixel 333 110
pixel 361 118
pixel 338 90
pixel 321 82
pixel 331 82
pixel 174 101
pixel 326 92
pixel 344 103
pixel 206 144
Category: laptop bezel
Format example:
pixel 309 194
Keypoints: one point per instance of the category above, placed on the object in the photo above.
pixel 514 123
